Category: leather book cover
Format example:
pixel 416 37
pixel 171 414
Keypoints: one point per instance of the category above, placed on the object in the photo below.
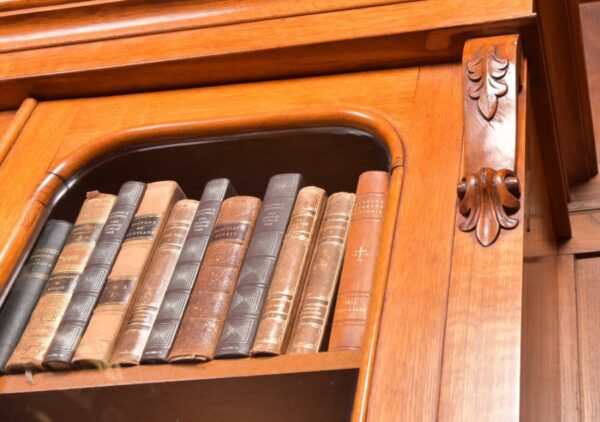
pixel 96 345
pixel 85 296
pixel 290 273
pixel 323 275
pixel 150 293
pixel 40 330
pixel 253 284
pixel 360 258
pixel 207 308
pixel 29 285
pixel 184 276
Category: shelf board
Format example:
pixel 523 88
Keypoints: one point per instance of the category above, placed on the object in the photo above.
pixel 167 373
pixel 317 388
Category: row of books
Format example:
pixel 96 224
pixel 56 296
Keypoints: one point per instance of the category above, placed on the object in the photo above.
pixel 149 276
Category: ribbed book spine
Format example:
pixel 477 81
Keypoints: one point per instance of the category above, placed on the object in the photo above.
pixel 290 273
pixel 360 259
pixel 131 343
pixel 46 317
pixel 204 317
pixel 184 276
pixel 85 296
pixel 323 275
pixel 139 244
pixel 29 285
pixel 257 270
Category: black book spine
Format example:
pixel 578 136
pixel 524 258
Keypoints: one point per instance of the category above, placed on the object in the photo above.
pixel 29 285
pixel 85 296
pixel 168 319
pixel 253 284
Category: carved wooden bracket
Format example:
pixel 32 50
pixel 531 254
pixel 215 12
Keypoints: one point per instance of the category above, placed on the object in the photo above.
pixel 489 191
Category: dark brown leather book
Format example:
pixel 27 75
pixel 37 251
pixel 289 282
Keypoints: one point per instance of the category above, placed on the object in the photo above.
pixel 36 338
pixel 184 276
pixel 323 274
pixel 97 342
pixel 257 270
pixel 280 307
pixel 141 316
pixel 204 317
pixel 29 285
pixel 85 296
pixel 360 258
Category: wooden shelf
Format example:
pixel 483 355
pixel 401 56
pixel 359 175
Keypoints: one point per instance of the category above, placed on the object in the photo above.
pixel 309 387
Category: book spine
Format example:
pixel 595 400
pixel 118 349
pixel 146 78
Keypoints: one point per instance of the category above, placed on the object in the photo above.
pixel 139 244
pixel 323 275
pixel 184 276
pixel 360 258
pixel 290 273
pixel 131 343
pixel 258 266
pixel 48 313
pixel 85 296
pixel 204 317
pixel 29 285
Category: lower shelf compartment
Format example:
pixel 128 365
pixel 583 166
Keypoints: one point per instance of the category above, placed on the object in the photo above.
pixel 293 388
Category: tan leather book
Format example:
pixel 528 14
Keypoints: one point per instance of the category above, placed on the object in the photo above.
pixel 46 317
pixel 360 258
pixel 323 275
pixel 205 315
pixel 151 291
pixel 97 343
pixel 284 294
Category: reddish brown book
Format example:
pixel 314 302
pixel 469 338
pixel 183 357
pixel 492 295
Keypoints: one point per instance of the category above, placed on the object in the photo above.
pixel 149 296
pixel 46 317
pixel 97 343
pixel 207 308
pixel 360 258
pixel 323 275
pixel 290 273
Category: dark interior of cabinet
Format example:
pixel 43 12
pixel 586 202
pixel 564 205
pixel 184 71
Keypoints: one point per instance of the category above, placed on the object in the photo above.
pixel 331 158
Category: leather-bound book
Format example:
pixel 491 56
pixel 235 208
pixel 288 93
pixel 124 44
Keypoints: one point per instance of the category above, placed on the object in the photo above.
pixel 46 317
pixel 85 296
pixel 323 275
pixel 358 271
pixel 131 343
pixel 184 276
pixel 257 270
pixel 290 273
pixel 96 345
pixel 28 286
pixel 204 317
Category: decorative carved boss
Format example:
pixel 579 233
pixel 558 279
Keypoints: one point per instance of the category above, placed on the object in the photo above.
pixel 489 191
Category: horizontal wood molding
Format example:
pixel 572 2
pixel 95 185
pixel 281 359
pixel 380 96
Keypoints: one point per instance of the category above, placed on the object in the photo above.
pixel 340 41
pixel 586 234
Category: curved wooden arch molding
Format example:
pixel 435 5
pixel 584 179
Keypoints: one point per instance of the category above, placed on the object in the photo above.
pixel 65 172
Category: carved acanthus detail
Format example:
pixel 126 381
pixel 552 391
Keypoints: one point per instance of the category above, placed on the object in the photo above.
pixel 485 71
pixel 487 201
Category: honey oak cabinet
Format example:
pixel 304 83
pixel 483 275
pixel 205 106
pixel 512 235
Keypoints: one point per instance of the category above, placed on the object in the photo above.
pixel 479 110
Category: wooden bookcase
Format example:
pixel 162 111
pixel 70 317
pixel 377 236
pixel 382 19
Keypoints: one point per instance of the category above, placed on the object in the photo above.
pixel 96 93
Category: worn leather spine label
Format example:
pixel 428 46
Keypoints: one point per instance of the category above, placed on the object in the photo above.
pixel 85 296
pixel 257 270
pixel 29 285
pixel 182 281
pixel 131 343
pixel 204 317
pixel 360 258
pixel 46 317
pixel 105 324
pixel 290 273
pixel 323 274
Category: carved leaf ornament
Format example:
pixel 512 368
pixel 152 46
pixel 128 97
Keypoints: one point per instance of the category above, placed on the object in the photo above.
pixel 485 72
pixel 487 199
